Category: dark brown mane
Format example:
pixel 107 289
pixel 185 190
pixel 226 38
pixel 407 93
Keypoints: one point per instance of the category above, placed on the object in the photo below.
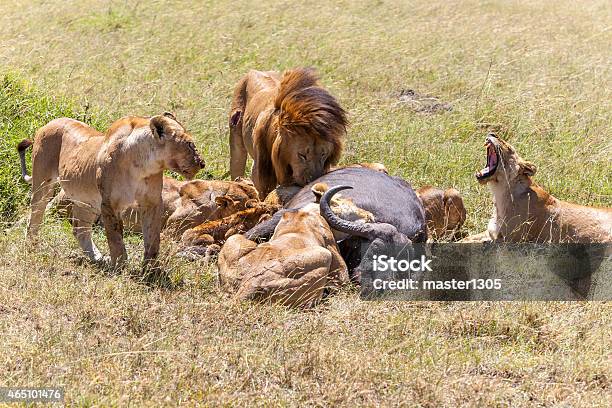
pixel 303 103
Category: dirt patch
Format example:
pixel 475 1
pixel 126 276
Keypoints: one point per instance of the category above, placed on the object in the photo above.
pixel 426 104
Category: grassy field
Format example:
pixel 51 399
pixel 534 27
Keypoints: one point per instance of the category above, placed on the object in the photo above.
pixel 537 72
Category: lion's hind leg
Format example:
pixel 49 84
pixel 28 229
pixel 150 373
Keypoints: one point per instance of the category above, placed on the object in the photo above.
pixel 238 151
pixel 42 191
pixel 45 173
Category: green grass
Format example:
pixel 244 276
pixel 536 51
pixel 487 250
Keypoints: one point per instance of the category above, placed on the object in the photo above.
pixel 22 111
pixel 538 72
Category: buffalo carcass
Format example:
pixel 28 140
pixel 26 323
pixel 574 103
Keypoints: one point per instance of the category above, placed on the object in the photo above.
pixel 390 199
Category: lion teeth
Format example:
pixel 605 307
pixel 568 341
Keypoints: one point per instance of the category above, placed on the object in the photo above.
pixel 485 170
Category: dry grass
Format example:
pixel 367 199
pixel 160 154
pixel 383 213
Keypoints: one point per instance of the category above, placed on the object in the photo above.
pixel 538 71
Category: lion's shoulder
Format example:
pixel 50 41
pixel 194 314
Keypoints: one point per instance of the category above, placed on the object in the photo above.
pixel 126 125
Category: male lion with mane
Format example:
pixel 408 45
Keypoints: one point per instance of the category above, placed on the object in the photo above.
pixel 291 127
pixel 107 173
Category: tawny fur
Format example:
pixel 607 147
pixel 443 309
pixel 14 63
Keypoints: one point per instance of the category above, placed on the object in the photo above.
pixel 208 200
pixel 294 268
pixel 219 230
pixel 291 127
pixel 186 204
pixel 108 173
pixel 343 207
pixel 444 211
pixel 281 195
pixel 525 212
pixel 299 262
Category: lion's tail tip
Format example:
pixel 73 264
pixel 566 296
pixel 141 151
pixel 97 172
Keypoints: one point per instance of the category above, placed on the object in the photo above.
pixel 21 148
pixel 24 144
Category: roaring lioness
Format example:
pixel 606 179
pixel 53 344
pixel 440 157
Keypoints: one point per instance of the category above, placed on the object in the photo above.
pixel 107 173
pixel 524 212
pixel 291 127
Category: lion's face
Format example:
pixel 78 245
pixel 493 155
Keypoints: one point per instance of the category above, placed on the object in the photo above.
pixel 179 152
pixel 299 157
pixel 503 163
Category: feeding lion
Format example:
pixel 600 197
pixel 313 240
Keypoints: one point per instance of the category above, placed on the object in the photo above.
pixel 299 262
pixel 525 212
pixel 444 211
pixel 291 127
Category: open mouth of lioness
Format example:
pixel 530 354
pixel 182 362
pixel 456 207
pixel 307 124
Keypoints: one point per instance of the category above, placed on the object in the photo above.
pixel 492 159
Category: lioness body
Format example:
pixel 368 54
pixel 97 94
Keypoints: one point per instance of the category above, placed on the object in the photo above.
pixel 525 212
pixel 444 211
pixel 294 268
pixel 107 173
pixel 186 204
pixel 200 201
pixel 291 127
pixel 220 229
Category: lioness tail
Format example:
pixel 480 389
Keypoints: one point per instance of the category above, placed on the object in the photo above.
pixel 21 148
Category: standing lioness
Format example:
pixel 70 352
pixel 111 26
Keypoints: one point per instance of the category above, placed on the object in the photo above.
pixel 525 212
pixel 107 173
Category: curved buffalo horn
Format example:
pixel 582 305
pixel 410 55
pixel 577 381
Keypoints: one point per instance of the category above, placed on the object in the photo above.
pixel 337 223
pixel 264 230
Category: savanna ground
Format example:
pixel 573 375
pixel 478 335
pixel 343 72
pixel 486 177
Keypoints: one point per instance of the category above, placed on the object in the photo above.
pixel 537 72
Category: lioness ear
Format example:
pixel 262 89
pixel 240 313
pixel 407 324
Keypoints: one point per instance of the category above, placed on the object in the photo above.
pixel 170 115
pixel 318 190
pixel 528 168
pixel 158 126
